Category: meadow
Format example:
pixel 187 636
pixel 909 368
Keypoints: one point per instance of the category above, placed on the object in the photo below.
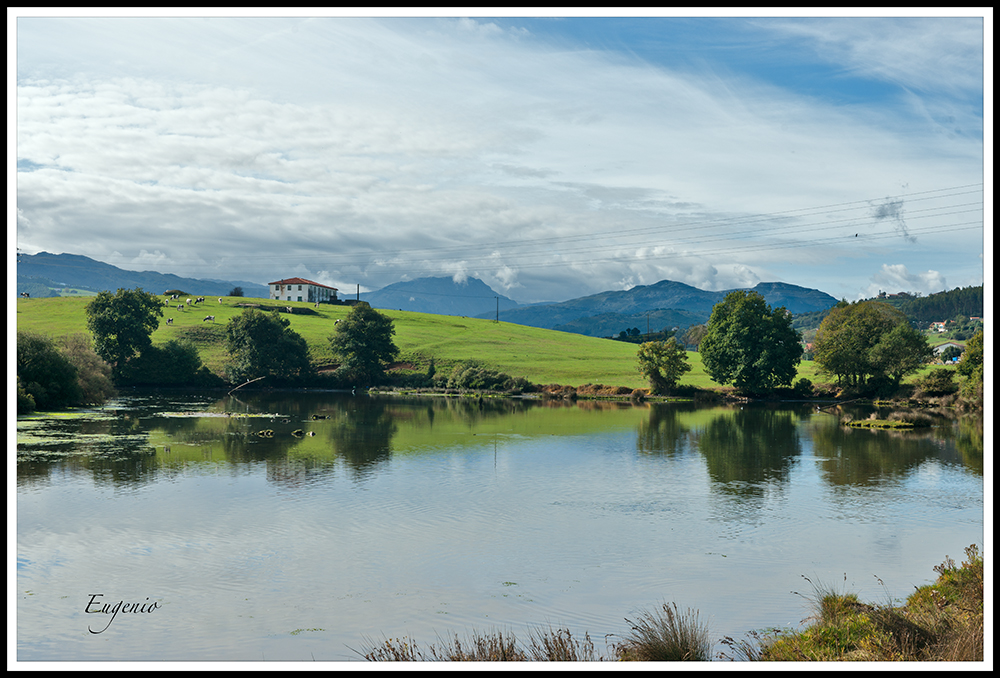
pixel 539 355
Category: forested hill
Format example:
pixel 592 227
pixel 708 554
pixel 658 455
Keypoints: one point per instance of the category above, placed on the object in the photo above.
pixel 965 301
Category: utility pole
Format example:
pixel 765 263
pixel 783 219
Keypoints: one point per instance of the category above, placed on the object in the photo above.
pixel 498 309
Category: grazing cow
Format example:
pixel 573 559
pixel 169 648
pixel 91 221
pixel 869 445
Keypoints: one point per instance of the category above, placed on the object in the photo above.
pixel 170 321
pixel 189 301
pixel 180 307
pixel 209 317
pixel 220 300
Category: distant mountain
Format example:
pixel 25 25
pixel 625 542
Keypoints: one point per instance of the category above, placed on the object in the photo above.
pixel 74 270
pixel 628 308
pixel 611 324
pixel 442 296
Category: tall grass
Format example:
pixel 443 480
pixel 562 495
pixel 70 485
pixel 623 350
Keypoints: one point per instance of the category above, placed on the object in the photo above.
pixel 667 634
pixel 543 645
pixel 939 622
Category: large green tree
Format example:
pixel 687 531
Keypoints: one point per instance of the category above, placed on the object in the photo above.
pixel 363 340
pixel 869 344
pixel 122 324
pixel 749 345
pixel 264 345
pixel 663 363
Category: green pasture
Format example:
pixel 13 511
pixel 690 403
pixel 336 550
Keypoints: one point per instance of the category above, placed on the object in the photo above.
pixel 541 356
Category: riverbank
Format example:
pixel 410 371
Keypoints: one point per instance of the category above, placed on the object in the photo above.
pixel 943 621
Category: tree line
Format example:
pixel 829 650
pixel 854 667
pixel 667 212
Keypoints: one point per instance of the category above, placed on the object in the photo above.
pixel 84 370
pixel 868 347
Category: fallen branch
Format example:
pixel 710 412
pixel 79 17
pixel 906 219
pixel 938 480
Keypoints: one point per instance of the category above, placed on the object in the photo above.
pixel 248 381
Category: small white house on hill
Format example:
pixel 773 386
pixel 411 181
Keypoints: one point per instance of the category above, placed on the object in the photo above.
pixel 300 289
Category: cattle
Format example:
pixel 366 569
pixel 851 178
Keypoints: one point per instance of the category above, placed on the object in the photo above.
pixel 209 317
pixel 170 321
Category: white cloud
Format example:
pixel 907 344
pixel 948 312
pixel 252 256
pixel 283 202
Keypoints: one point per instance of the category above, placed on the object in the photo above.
pixel 893 278
pixel 371 151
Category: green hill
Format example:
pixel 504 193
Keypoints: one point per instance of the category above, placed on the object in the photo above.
pixel 542 356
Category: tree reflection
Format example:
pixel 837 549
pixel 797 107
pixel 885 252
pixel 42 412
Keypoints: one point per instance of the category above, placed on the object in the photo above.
pixel 870 456
pixel 664 433
pixel 362 436
pixel 747 448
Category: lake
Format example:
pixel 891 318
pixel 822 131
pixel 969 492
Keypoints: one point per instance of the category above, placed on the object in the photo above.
pixel 305 526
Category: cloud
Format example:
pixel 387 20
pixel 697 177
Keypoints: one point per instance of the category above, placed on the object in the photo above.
pixel 895 278
pixel 363 152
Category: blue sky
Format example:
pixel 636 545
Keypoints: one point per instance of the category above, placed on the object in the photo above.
pixel 550 157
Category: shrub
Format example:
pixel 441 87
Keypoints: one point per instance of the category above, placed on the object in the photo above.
pixel 803 388
pixel 473 376
pixel 938 382
pixel 45 373
pixel 175 363
pixel 93 374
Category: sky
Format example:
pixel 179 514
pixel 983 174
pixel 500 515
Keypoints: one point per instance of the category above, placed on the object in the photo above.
pixel 550 157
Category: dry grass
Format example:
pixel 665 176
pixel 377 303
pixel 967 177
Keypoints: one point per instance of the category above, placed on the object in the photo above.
pixel 548 645
pixel 666 635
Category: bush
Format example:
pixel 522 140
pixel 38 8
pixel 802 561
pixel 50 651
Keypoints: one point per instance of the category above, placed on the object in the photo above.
pixel 25 401
pixel 176 363
pixel 803 388
pixel 473 376
pixel 938 382
pixel 46 374
pixel 92 373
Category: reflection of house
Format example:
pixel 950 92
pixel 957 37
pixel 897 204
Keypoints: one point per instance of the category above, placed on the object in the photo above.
pixel 300 289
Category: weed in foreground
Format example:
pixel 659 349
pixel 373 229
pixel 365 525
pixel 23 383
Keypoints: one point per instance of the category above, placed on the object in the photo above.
pixel 666 635
pixel 551 645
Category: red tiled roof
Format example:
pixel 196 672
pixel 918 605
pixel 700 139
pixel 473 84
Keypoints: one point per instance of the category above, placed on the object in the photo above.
pixel 300 281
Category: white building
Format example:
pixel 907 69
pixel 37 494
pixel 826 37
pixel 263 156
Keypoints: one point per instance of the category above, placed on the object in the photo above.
pixel 300 289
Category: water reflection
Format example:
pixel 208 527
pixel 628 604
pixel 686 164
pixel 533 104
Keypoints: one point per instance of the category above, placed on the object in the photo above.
pixel 747 448
pixel 306 436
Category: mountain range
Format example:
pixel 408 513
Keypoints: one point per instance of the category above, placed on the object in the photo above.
pixel 662 305
pixel 41 274
pixel 665 304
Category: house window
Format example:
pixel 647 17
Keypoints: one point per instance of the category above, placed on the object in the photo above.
pixel 300 298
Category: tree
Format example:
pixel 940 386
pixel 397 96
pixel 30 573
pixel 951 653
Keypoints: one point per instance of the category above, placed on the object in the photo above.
pixel 694 335
pixel 971 366
pixel 363 340
pixel 44 373
pixel 263 345
pixel 663 363
pixel 749 345
pixel 972 358
pixel 869 344
pixel 236 292
pixel 122 323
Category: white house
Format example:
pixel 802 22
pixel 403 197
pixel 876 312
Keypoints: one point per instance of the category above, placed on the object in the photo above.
pixel 300 289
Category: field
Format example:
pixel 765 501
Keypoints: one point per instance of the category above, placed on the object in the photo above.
pixel 541 356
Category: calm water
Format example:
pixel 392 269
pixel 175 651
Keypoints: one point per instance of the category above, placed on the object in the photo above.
pixel 427 517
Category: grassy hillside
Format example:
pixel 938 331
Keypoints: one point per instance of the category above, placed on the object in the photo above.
pixel 541 356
